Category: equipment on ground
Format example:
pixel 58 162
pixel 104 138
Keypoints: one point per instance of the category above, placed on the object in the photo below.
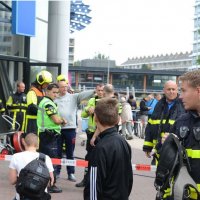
pixel 173 171
pixel 10 142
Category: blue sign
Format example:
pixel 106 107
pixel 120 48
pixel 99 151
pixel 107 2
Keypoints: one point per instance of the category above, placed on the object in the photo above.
pixel 23 17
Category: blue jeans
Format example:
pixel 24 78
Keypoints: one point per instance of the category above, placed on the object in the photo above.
pixel 68 137
pixel 134 115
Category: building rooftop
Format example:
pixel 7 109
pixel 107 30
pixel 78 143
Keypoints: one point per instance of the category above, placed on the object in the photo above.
pixel 158 58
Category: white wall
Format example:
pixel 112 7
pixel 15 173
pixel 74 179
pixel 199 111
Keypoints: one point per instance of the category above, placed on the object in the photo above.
pixel 38 49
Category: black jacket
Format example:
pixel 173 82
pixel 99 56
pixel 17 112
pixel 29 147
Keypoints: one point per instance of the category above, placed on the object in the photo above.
pixel 161 121
pixel 110 170
pixel 143 108
pixel 190 122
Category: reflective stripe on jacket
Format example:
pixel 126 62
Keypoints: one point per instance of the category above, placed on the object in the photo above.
pixel 161 121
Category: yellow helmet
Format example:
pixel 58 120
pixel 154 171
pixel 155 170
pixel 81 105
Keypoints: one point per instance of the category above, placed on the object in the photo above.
pixel 44 77
pixel 62 77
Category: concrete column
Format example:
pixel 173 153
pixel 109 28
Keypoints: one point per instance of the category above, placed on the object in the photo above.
pixel 58 33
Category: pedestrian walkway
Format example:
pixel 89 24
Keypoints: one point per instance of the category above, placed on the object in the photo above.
pixel 70 192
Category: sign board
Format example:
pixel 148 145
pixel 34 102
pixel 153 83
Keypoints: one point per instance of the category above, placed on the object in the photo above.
pixel 23 17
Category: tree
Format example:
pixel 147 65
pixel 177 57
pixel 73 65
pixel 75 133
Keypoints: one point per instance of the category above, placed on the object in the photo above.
pixel 198 60
pixel 145 66
pixel 77 63
pixel 100 56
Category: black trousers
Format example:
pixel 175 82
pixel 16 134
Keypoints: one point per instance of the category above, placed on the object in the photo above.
pixel 48 145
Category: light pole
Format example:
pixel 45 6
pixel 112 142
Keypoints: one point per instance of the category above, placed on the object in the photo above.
pixel 108 73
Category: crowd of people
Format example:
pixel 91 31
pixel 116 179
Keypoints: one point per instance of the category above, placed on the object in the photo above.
pixel 49 110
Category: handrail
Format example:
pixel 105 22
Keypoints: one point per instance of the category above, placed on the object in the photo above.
pixel 10 120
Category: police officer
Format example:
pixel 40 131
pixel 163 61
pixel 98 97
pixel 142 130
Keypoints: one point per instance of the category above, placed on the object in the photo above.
pixel 16 106
pixel 88 111
pixel 34 97
pixel 108 91
pixel 49 125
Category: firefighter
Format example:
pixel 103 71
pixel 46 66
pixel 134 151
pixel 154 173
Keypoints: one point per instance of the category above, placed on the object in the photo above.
pixel 187 129
pixel 167 110
pixel 16 106
pixel 34 96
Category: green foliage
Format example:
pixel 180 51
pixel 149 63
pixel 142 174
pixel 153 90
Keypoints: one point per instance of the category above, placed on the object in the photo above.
pixel 145 66
pixel 100 56
pixel 198 60
pixel 77 63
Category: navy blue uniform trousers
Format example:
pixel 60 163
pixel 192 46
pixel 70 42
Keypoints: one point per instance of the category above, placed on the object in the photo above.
pixel 68 137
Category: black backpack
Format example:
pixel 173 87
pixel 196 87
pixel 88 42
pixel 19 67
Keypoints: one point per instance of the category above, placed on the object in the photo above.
pixel 173 171
pixel 33 180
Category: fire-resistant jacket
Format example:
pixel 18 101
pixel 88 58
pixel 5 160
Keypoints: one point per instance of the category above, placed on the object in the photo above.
pixel 110 171
pixel 17 106
pixel 161 121
pixel 190 124
pixel 34 97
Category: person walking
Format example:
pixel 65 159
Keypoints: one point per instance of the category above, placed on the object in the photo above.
pixel 126 119
pixel 133 105
pixel 67 107
pixel 110 170
pixel 20 160
pixel 143 114
pixel 49 126
pixel 34 96
pixel 88 111
pixel 17 106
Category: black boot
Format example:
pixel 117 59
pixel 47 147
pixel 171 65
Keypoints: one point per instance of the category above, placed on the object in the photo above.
pixel 81 184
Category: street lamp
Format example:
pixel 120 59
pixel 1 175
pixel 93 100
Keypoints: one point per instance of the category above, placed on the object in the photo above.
pixel 108 73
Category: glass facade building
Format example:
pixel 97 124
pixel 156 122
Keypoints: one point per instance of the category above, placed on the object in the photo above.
pixel 196 39
pixel 141 80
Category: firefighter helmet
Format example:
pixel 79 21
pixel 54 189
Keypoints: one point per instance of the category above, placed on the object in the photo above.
pixel 62 77
pixel 44 77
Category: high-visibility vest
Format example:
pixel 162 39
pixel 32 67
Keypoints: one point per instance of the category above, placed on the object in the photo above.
pixel 44 121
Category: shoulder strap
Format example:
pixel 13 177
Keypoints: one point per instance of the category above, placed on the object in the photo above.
pixel 151 102
pixel 37 92
pixel 42 157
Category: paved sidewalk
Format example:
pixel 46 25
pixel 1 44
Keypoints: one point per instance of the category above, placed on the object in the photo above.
pixel 142 187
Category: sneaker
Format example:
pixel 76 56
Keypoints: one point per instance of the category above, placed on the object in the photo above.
pixel 129 137
pixel 71 177
pixel 54 189
pixel 81 184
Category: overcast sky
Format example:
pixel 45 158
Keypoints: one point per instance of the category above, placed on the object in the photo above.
pixel 136 28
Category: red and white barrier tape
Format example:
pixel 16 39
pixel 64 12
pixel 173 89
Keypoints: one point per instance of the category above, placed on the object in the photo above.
pixel 83 163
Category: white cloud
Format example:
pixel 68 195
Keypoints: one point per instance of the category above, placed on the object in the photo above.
pixel 136 28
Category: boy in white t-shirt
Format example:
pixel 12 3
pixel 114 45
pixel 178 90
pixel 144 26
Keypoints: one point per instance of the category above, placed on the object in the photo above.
pixel 20 160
